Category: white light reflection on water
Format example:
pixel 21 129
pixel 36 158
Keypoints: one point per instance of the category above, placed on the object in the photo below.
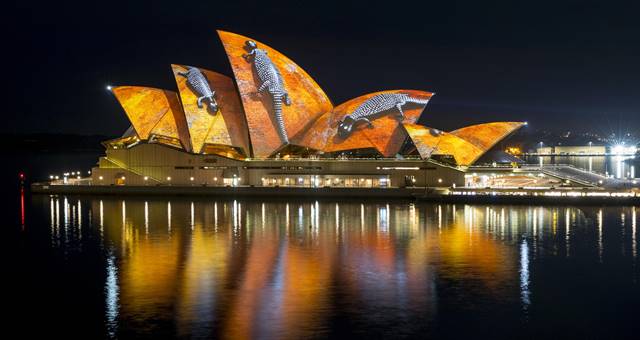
pixel 146 218
pixel 79 219
pixel 112 295
pixel 169 216
pixel 192 222
pixel 387 253
pixel 53 221
pixel 622 224
pixel 600 235
pixel 633 233
pixel 300 218
pixel 524 274
pixel 383 224
pixel 65 211
pixel 263 216
pixel 215 216
pixel 101 219
pixel 567 228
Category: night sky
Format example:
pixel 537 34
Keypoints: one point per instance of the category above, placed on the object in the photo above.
pixel 563 65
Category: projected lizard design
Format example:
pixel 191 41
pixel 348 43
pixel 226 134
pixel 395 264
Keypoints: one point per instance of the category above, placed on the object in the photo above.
pixel 375 107
pixel 270 81
pixel 199 84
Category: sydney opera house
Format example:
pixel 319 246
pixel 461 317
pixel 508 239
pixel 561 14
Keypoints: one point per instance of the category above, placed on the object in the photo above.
pixel 272 125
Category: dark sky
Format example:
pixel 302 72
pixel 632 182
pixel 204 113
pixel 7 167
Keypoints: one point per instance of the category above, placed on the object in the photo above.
pixel 564 65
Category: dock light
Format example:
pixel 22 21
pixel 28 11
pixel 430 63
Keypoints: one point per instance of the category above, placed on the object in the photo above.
pixel 215 179
pixel 168 178
pixel 57 177
pixel 89 172
pixel 100 178
pixel 73 173
pixel 146 178
pixel 78 177
pixel 50 176
pixel 191 178
pixel 439 180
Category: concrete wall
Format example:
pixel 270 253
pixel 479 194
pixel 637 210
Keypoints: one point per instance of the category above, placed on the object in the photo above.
pixel 163 165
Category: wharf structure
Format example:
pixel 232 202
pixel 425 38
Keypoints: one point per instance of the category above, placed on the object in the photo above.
pixel 272 127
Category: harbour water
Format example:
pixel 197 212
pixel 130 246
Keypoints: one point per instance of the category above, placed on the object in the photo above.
pixel 156 267
pixel 150 267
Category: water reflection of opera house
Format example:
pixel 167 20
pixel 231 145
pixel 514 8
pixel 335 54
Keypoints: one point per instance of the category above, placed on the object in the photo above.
pixel 276 266
pixel 272 125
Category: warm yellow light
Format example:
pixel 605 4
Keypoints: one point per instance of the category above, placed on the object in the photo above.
pixel 439 180
pixel 513 150
pixel 146 178
pixel 191 178
pixel 123 178
pixel 100 178
pixel 168 178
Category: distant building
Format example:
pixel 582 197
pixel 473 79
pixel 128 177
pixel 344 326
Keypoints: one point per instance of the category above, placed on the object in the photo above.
pixel 572 150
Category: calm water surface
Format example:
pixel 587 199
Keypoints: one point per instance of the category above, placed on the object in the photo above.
pixel 151 267
pixel 158 267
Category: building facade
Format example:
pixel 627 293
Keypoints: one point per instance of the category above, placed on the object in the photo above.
pixel 272 125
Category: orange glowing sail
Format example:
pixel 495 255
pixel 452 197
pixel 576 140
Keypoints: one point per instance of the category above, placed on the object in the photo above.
pixel 466 145
pixel 307 100
pixel 154 113
pixel 385 134
pixel 226 126
pixel 487 135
